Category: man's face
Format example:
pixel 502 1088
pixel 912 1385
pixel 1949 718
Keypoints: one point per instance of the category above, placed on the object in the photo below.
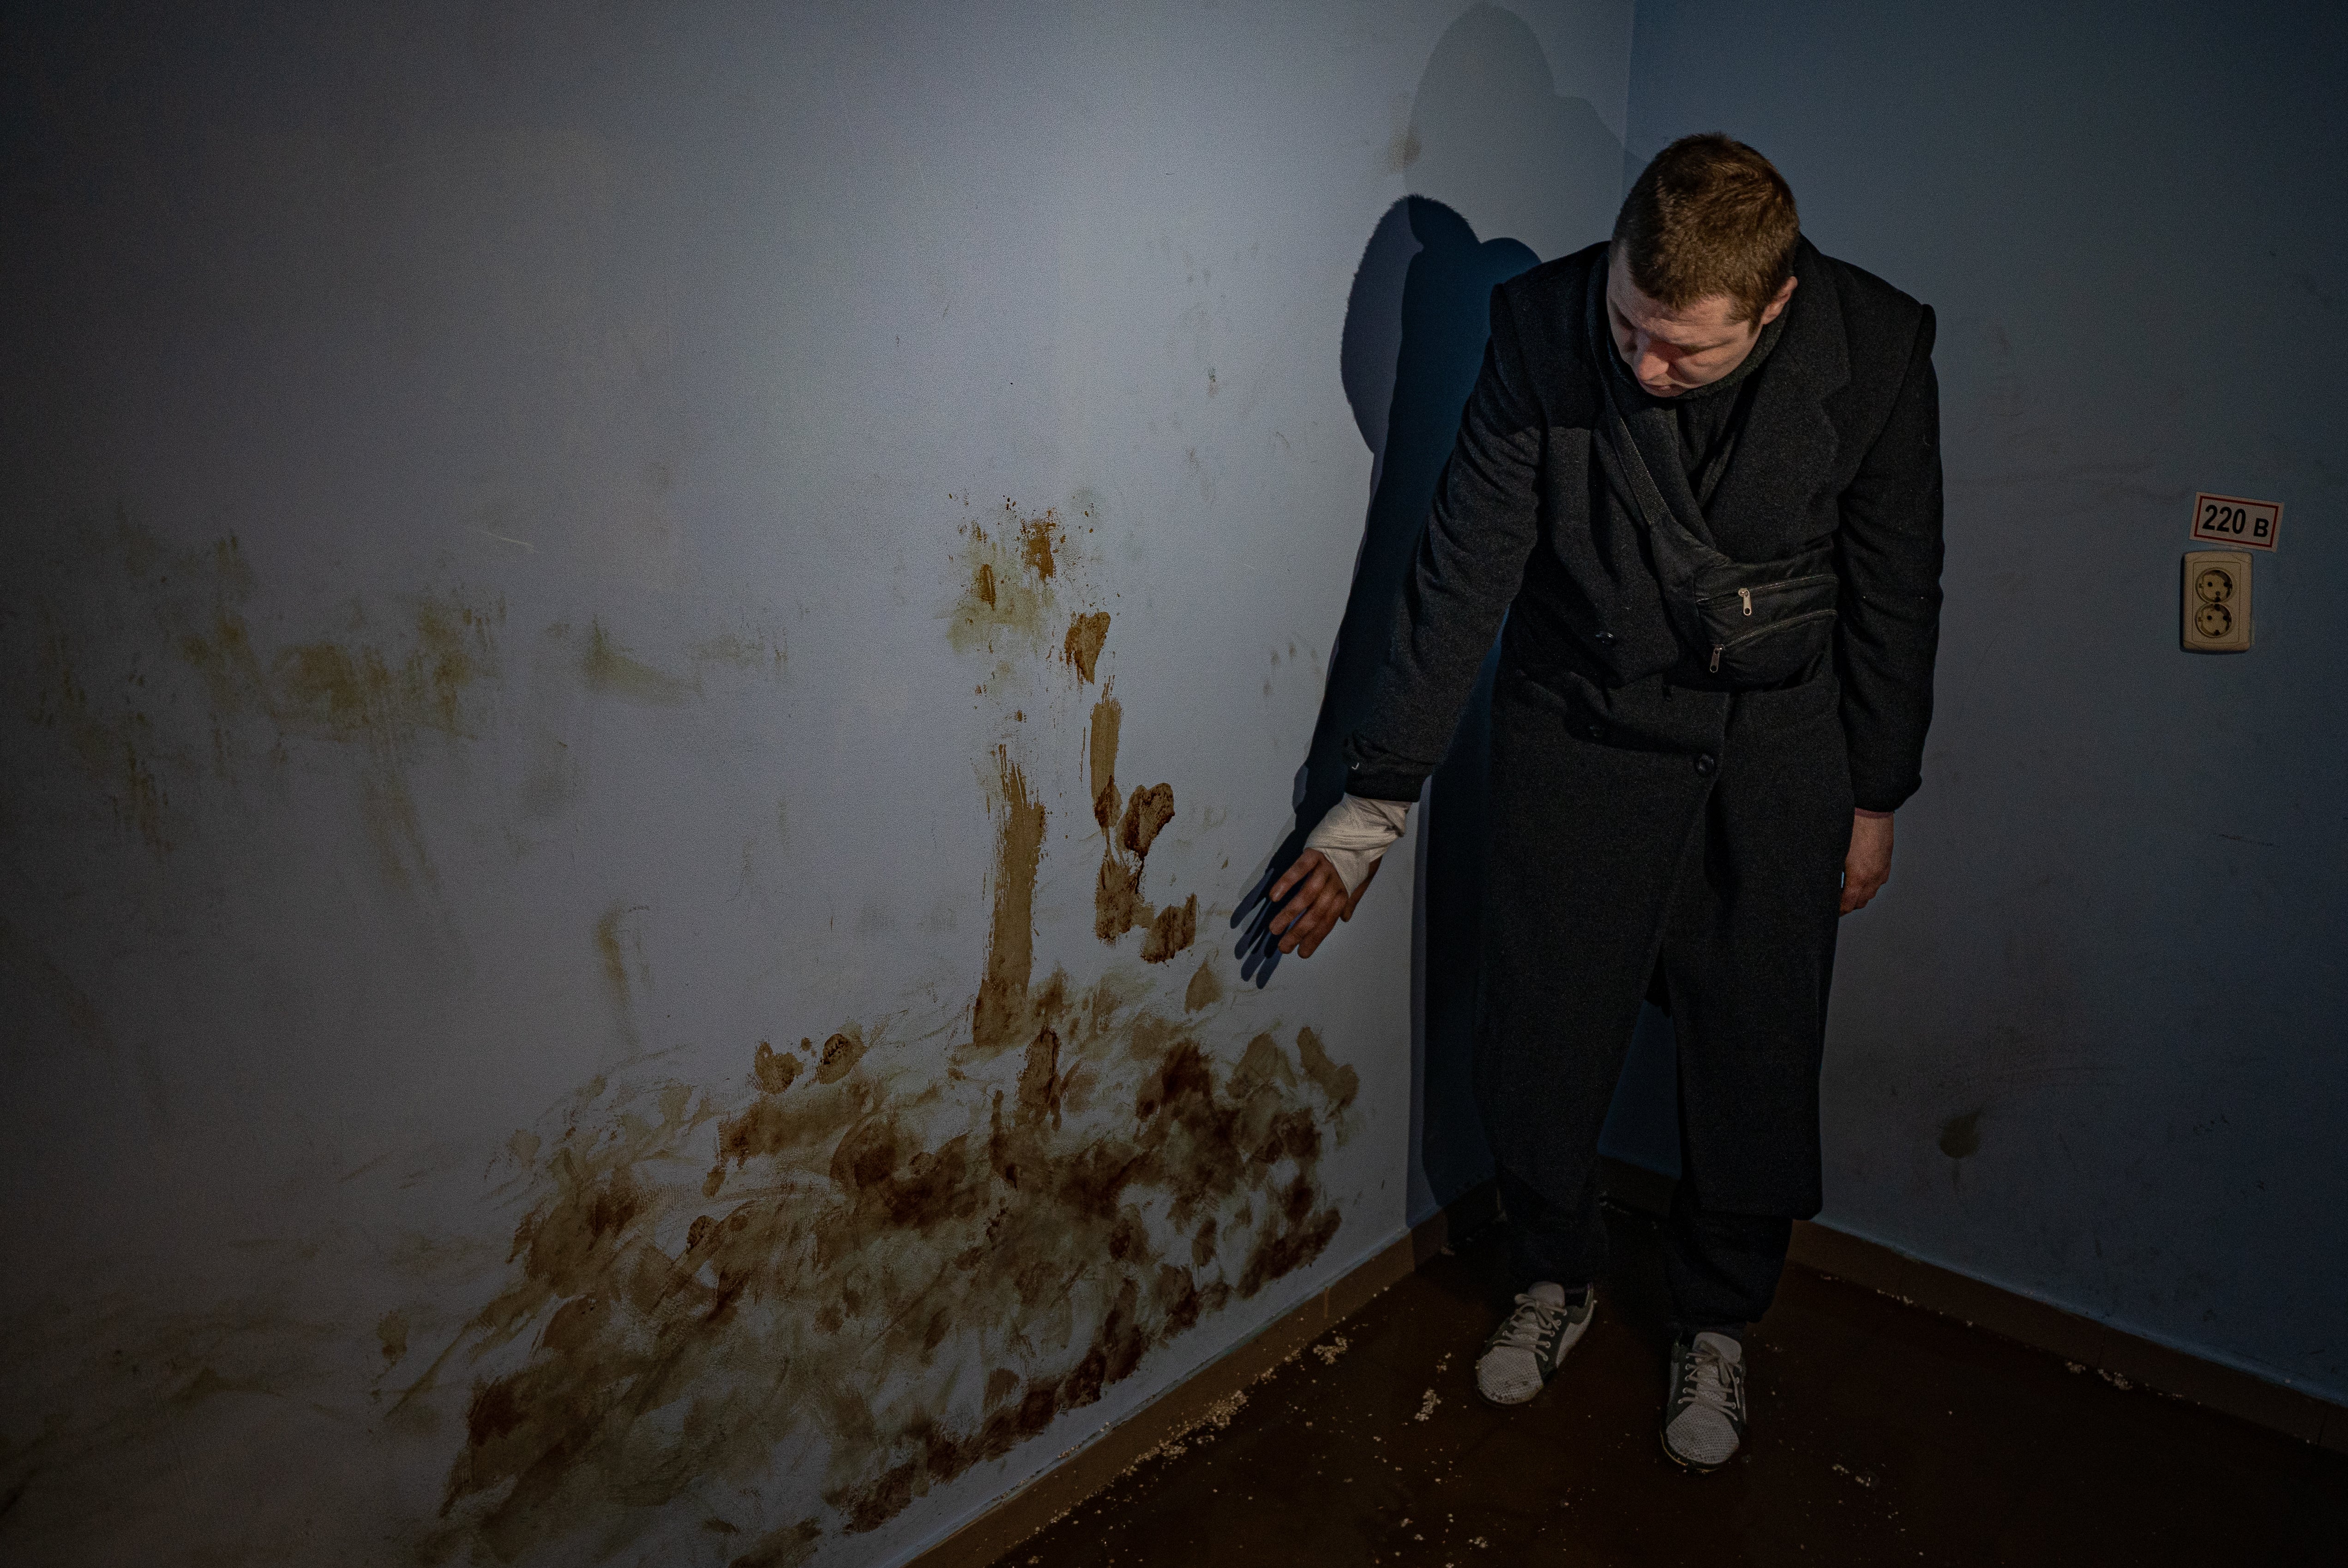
pixel 1671 352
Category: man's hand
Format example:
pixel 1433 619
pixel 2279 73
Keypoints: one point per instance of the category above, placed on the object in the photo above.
pixel 1867 864
pixel 1316 904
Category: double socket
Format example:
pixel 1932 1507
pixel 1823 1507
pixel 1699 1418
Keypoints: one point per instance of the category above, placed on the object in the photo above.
pixel 2217 601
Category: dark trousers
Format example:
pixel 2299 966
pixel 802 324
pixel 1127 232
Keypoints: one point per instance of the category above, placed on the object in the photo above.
pixel 1722 1269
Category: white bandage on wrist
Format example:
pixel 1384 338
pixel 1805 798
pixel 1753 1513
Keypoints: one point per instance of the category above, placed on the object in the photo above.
pixel 1355 833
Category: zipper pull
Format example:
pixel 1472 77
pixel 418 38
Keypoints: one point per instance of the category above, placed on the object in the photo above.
pixel 1746 595
pixel 1717 649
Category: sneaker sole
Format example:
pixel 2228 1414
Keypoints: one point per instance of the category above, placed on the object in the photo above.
pixel 1690 1465
pixel 1509 1404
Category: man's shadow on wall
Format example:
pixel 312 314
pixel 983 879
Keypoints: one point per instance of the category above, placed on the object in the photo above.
pixel 1487 122
pixel 1416 328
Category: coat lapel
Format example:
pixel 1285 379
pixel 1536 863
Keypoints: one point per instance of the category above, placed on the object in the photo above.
pixel 1788 444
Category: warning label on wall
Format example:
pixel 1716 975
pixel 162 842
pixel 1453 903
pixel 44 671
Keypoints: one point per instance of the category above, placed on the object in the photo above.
pixel 2230 519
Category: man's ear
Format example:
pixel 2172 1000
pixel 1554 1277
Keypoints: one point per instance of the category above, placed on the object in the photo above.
pixel 1777 306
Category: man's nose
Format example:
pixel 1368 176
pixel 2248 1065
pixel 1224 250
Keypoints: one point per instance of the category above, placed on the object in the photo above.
pixel 1651 365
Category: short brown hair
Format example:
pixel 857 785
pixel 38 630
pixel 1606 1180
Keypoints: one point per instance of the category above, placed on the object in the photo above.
pixel 1709 216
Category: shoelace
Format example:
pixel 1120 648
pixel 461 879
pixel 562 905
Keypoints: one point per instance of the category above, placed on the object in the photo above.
pixel 1707 1378
pixel 1526 1327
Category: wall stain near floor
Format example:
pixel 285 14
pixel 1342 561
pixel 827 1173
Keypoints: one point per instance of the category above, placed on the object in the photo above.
pixel 874 1264
pixel 911 1271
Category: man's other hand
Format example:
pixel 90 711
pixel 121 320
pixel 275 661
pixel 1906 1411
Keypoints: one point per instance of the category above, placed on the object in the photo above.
pixel 1314 902
pixel 1867 864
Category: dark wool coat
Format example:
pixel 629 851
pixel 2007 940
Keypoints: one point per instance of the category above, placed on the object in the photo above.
pixel 1643 816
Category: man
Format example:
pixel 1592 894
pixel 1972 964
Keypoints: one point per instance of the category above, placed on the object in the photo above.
pixel 1699 477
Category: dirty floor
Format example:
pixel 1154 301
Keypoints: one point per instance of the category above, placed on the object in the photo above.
pixel 1882 1434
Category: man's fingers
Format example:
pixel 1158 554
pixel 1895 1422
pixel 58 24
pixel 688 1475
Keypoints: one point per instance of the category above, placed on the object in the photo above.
pixel 1317 907
pixel 1302 866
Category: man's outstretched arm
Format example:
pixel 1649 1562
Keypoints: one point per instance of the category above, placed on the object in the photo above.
pixel 1469 562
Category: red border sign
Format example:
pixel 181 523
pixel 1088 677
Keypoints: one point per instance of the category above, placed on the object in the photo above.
pixel 2230 519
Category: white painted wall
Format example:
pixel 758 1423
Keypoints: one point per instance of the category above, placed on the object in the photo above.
pixel 622 384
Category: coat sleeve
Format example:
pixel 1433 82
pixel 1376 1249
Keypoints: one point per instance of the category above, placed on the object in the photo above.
pixel 1888 553
pixel 1469 562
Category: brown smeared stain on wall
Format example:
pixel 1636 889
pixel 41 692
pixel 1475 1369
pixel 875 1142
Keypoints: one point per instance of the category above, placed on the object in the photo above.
pixel 1205 988
pixel 1108 716
pixel 1035 537
pixel 1116 900
pixel 1118 904
pixel 612 670
pixel 1340 1084
pixel 774 1073
pixel 1146 816
pixel 1172 931
pixel 1008 571
pixel 868 1270
pixel 920 1271
pixel 1002 1001
pixel 893 1269
pixel 840 1053
pixel 1082 646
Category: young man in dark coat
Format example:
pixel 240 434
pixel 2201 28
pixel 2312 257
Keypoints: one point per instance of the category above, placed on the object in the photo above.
pixel 1699 477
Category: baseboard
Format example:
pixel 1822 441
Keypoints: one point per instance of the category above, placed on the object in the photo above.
pixel 2115 1353
pixel 2119 1355
pixel 1195 1400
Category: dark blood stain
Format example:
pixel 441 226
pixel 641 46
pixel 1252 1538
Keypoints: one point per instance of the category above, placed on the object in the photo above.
pixel 982 587
pixel 889 1272
pixel 1960 1135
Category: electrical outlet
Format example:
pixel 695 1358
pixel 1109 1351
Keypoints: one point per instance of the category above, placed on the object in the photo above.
pixel 2217 601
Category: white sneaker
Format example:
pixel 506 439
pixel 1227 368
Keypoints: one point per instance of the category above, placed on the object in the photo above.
pixel 1522 1354
pixel 1703 1410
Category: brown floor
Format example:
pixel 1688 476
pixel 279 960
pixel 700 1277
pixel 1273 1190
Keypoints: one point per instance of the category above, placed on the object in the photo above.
pixel 1882 1434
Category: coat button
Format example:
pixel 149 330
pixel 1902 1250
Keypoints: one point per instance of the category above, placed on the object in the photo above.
pixel 1595 731
pixel 1604 639
pixel 1705 765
